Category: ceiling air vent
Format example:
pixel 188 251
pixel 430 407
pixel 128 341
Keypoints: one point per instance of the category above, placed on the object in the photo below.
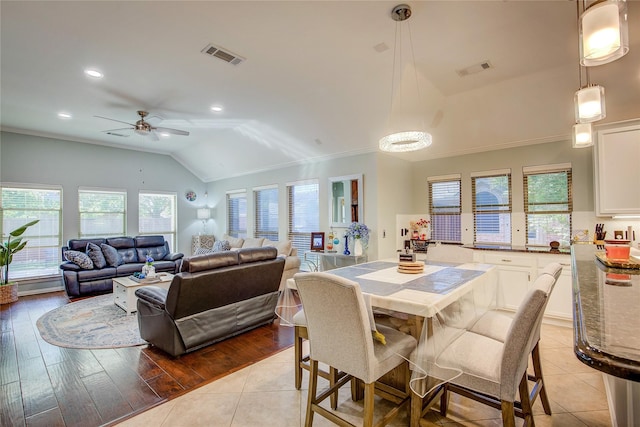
pixel 223 54
pixel 485 65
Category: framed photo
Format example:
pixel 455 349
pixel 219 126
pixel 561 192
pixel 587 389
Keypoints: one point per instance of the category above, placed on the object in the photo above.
pixel 317 241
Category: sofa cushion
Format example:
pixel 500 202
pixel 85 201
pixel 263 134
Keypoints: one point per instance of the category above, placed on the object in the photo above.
pixel 283 247
pixel 209 261
pixel 95 253
pixel 155 252
pixel 80 259
pixel 221 245
pixel 235 242
pixel 246 255
pixel 253 242
pixel 80 245
pixel 111 255
pixel 125 247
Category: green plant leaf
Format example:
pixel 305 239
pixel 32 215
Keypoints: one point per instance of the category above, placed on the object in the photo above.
pixel 19 231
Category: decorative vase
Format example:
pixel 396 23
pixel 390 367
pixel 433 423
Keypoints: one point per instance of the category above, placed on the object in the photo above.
pixel 357 247
pixel 149 270
pixel 346 246
pixel 415 234
pixel 9 293
pixel 424 234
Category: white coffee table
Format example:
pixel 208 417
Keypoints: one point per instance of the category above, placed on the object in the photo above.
pixel 124 290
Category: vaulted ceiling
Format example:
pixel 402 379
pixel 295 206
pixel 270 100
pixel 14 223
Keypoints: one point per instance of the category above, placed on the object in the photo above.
pixel 316 81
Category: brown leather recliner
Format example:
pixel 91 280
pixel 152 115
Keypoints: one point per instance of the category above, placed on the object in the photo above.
pixel 214 297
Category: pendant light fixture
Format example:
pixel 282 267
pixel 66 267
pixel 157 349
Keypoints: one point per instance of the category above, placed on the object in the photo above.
pixel 589 103
pixel 604 32
pixel 414 137
pixel 582 135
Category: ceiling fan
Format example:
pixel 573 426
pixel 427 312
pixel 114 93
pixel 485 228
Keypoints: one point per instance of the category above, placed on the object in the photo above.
pixel 142 127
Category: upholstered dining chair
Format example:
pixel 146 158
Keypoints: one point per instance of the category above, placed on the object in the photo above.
pixel 302 360
pixel 495 372
pixel 340 335
pixel 495 324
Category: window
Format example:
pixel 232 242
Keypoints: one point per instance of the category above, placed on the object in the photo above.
pixel 492 207
pixel 237 214
pixel 22 204
pixel 548 204
pixel 304 213
pixel 102 212
pixel 157 215
pixel 266 206
pixel 445 201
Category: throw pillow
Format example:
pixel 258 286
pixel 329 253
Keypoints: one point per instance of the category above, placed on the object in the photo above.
pixel 95 253
pixel 202 251
pixel 253 242
pixel 111 255
pixel 221 245
pixel 284 247
pixel 235 242
pixel 80 259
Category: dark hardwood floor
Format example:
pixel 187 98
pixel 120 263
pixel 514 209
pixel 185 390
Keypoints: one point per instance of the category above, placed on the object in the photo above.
pixel 45 385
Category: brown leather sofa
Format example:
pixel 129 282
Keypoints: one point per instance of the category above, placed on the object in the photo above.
pixel 214 297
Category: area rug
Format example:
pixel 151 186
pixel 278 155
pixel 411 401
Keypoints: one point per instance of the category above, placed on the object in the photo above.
pixel 90 323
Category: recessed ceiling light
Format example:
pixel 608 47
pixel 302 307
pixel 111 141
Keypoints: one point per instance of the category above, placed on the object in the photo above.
pixel 63 115
pixel 92 72
pixel 216 108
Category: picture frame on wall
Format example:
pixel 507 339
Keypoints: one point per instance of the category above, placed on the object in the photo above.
pixel 317 241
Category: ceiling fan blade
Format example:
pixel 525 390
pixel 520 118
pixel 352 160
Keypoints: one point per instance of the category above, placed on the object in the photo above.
pixel 114 120
pixel 153 136
pixel 172 131
pixel 153 120
pixel 119 132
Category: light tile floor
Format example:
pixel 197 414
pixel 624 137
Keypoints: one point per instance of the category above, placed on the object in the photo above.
pixel 264 395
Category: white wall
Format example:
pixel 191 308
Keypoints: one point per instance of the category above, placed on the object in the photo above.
pixel 364 164
pixel 37 160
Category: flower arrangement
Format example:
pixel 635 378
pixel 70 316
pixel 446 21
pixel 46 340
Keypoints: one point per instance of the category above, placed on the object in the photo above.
pixel 421 223
pixel 149 260
pixel 359 231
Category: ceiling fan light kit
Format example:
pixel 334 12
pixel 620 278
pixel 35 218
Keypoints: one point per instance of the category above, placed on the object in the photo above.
pixel 143 128
pixel 405 140
pixel 604 32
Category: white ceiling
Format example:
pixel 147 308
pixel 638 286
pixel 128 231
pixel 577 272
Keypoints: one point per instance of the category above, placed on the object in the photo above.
pixel 312 85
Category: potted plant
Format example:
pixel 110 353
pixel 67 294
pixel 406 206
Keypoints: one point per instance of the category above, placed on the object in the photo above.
pixel 9 290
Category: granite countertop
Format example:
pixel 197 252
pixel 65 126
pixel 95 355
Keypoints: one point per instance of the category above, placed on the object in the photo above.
pixel 606 321
pixel 524 249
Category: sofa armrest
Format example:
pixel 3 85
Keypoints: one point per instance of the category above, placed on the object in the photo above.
pixel 153 295
pixel 174 256
pixel 294 252
pixel 69 266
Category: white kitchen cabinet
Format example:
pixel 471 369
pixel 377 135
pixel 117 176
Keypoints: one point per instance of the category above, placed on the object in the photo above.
pixel 517 272
pixel 617 171
pixel 560 303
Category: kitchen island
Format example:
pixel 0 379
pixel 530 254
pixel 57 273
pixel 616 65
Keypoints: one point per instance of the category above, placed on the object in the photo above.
pixel 606 328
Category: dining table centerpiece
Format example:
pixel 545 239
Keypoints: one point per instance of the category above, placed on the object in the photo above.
pixel 359 232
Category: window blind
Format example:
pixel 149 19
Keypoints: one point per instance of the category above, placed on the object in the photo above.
pixel 237 214
pixel 102 213
pixel 492 208
pixel 548 205
pixel 157 215
pixel 303 213
pixel 266 213
pixel 445 207
pixel 20 205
